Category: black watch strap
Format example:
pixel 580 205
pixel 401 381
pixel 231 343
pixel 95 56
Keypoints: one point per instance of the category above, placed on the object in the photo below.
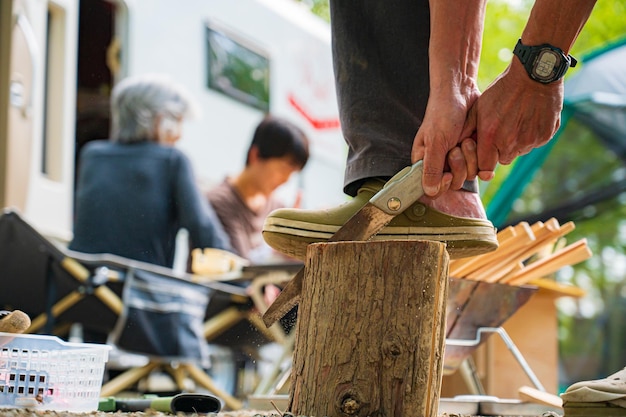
pixel 523 52
pixel 528 56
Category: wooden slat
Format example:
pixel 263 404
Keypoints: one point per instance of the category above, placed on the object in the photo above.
pixel 499 268
pixel 511 243
pixel 544 237
pixel 569 255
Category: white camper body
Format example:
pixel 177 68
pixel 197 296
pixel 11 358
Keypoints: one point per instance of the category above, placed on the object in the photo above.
pixel 59 60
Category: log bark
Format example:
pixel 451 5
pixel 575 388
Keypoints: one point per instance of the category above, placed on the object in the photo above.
pixel 371 330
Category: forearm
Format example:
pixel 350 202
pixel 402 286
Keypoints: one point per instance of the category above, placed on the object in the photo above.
pixel 456 29
pixel 557 22
pixel 517 114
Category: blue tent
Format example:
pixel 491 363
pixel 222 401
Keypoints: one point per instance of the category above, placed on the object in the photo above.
pixel 594 116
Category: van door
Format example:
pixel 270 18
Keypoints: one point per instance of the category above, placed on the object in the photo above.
pixel 37 110
pixel 21 56
pixel 99 62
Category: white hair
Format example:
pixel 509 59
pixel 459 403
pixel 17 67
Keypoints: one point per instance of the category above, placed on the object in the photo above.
pixel 137 101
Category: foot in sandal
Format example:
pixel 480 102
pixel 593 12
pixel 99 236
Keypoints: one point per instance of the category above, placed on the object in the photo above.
pixel 456 218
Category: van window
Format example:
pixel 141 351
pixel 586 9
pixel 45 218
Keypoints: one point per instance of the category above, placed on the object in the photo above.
pixel 239 71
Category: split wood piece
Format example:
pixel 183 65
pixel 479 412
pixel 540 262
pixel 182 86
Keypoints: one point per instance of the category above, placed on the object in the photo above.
pixel 546 238
pixel 519 266
pixel 458 266
pixel 503 257
pixel 371 329
pixel 461 267
pixel 14 321
pixel 521 236
pixel 533 395
pixel 505 234
pixel 506 262
pixel 569 255
pixel 545 235
pixel 562 289
pixel 546 251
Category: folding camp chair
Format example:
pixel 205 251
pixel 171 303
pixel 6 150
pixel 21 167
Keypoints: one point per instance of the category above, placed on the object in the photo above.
pixel 163 318
pixel 52 288
pixel 57 288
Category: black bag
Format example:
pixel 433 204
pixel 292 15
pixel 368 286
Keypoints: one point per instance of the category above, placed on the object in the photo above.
pixel 163 317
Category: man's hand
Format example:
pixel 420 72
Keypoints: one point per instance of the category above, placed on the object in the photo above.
pixel 513 116
pixel 449 158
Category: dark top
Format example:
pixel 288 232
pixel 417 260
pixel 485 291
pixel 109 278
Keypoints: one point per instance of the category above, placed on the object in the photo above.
pixel 132 199
pixel 243 225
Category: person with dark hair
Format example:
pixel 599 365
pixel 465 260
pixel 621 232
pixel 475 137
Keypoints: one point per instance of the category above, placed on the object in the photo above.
pixel 136 191
pixel 278 149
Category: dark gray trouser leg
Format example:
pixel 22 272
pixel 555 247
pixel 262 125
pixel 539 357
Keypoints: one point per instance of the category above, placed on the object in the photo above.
pixel 380 52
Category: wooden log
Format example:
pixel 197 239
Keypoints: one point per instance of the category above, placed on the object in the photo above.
pixel 371 330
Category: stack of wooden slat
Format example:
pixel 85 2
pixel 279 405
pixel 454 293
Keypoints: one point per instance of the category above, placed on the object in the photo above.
pixel 526 254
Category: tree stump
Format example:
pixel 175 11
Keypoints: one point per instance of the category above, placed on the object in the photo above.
pixel 371 330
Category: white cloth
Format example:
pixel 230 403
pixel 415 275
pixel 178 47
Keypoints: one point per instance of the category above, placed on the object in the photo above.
pixel 611 389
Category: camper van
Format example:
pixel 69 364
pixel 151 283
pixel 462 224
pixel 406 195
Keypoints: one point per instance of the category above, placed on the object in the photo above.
pixel 59 60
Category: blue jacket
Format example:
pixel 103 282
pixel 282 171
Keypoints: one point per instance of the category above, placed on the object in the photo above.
pixel 132 199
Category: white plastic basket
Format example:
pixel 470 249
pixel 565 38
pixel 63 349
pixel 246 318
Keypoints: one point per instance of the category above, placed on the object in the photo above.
pixel 45 372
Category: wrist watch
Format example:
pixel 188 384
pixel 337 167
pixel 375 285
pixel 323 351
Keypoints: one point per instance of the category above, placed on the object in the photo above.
pixel 544 63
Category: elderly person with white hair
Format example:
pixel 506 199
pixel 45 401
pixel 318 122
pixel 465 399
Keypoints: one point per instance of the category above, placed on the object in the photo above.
pixel 136 191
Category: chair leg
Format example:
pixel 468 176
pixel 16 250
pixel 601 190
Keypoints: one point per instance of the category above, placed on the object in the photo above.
pixel 275 333
pixel 178 375
pixel 272 381
pixel 222 322
pixel 127 379
pixel 59 308
pixel 203 379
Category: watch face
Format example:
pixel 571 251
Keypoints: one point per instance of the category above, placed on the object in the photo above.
pixel 544 66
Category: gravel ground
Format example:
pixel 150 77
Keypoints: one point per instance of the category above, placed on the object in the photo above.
pixel 243 413
pixel 44 413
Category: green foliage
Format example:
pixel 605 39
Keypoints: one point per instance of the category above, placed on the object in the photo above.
pixel 320 8
pixel 606 24
pixel 505 20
